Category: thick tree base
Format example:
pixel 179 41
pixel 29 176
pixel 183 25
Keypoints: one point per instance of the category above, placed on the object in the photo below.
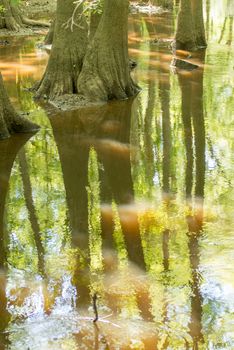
pixel 61 74
pixel 67 52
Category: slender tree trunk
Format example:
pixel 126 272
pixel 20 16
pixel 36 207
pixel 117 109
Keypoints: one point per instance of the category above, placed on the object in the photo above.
pixel 68 50
pixel 10 121
pixel 105 74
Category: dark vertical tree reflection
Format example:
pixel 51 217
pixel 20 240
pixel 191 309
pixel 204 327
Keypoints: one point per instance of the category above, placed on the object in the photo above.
pixel 194 134
pixel 107 131
pixel 8 153
pixel 27 187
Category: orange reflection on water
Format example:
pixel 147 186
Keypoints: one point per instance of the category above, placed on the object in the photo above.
pixel 30 64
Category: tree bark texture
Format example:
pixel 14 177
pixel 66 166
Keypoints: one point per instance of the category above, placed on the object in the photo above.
pixel 199 26
pixel 12 19
pixel 185 38
pixel 68 50
pixel 105 74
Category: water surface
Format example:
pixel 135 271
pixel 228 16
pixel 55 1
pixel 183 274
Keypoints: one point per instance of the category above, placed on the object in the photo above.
pixel 131 202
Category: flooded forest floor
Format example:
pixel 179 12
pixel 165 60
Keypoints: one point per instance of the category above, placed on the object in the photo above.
pixel 125 209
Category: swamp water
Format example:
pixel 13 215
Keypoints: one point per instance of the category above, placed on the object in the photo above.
pixel 130 202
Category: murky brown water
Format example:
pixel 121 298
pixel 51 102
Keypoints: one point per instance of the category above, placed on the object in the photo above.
pixel 131 202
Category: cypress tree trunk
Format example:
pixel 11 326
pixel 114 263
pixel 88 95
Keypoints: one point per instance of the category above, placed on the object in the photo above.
pixel 10 121
pixel 105 74
pixel 199 27
pixel 68 50
pixel 190 33
pixel 185 37
pixel 12 19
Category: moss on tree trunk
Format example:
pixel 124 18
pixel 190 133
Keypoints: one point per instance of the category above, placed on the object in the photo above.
pixel 67 53
pixel 10 121
pixel 105 74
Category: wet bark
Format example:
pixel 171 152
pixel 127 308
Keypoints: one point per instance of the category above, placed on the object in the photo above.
pixel 10 121
pixel 105 74
pixel 67 53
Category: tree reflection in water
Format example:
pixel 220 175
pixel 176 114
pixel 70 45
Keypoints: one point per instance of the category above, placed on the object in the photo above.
pixel 194 134
pixel 8 152
pixel 133 238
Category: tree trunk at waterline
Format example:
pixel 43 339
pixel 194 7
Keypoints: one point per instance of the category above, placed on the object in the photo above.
pixel 67 53
pixel 12 19
pixel 199 27
pixel 190 33
pixel 105 74
pixel 10 121
pixel 185 38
